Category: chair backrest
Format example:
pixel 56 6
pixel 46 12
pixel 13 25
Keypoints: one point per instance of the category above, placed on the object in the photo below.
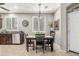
pixel 39 37
pixel 53 34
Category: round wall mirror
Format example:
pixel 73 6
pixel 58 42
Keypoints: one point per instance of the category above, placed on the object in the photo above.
pixel 25 23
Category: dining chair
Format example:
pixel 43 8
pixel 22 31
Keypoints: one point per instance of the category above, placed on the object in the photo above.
pixel 30 42
pixel 40 41
pixel 49 41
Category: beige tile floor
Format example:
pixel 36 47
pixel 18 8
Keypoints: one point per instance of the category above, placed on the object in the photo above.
pixel 20 50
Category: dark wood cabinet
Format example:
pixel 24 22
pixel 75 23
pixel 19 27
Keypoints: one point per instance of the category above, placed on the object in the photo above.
pixel 5 38
pixel 0 22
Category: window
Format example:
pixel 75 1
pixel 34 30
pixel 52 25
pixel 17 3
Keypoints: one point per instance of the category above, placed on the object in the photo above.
pixel 38 24
pixel 14 23
pixel 11 23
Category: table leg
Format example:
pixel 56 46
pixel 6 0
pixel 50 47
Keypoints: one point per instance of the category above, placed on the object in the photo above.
pixel 52 46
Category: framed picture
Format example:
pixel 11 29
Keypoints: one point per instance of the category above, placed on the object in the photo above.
pixel 56 25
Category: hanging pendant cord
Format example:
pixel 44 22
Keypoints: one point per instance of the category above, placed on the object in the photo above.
pixel 39 10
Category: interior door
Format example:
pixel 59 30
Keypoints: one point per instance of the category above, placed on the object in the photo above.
pixel 73 33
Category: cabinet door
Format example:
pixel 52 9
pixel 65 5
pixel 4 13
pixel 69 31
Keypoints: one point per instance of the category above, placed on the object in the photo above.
pixel 16 38
pixel 5 39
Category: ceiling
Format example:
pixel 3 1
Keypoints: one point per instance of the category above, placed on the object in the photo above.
pixel 29 7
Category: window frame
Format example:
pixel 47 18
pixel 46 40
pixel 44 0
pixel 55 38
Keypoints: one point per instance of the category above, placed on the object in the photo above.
pixel 11 29
pixel 38 24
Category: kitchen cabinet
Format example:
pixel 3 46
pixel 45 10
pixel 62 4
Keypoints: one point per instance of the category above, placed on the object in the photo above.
pixel 11 38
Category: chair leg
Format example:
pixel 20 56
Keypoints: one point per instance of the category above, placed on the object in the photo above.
pixel 27 47
pixel 43 48
pixel 36 48
pixel 52 47
pixel 33 46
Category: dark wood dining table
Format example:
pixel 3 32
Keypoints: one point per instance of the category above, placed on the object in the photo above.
pixel 34 38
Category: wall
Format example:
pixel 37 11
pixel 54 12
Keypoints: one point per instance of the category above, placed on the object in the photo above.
pixel 57 16
pixel 63 25
pixel 49 17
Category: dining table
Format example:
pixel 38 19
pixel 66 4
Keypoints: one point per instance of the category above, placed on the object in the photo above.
pixel 29 37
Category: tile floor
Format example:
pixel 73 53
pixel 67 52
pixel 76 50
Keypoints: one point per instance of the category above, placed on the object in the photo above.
pixel 20 50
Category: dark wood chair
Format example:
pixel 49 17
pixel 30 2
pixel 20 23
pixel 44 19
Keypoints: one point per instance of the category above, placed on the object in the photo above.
pixel 30 42
pixel 49 41
pixel 40 41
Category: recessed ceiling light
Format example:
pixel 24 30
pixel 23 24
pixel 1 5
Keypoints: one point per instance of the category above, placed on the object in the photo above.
pixel 15 7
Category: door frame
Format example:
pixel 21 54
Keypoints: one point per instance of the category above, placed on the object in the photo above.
pixel 69 9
